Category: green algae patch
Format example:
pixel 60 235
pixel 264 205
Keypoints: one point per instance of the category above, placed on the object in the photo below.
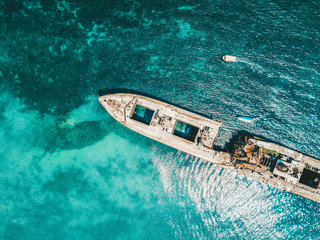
pixel 270 152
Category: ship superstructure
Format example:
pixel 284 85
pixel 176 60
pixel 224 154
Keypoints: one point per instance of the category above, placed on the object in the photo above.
pixel 277 165
pixel 194 134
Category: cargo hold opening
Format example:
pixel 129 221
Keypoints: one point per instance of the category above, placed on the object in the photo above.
pixel 142 114
pixel 310 178
pixel 185 131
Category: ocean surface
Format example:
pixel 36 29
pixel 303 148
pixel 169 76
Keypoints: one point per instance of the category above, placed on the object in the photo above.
pixel 68 170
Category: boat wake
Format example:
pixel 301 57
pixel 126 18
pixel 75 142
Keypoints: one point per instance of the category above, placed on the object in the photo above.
pixel 252 65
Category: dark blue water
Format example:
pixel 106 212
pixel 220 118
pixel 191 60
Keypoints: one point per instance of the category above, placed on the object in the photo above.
pixel 70 171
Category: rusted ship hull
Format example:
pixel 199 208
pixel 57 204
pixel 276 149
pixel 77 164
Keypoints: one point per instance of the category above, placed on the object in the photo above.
pixel 277 166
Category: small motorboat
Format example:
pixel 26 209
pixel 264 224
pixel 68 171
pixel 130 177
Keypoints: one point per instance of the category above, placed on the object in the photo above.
pixel 228 58
pixel 246 119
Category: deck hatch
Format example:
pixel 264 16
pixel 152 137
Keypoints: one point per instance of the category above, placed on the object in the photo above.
pixel 142 114
pixel 310 178
pixel 185 131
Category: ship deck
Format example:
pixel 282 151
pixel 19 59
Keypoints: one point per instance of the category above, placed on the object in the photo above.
pixel 173 126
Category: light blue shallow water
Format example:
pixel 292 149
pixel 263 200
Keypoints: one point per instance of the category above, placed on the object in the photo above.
pixel 70 171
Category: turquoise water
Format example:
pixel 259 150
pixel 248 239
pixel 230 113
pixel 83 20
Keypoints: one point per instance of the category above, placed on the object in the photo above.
pixel 69 171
